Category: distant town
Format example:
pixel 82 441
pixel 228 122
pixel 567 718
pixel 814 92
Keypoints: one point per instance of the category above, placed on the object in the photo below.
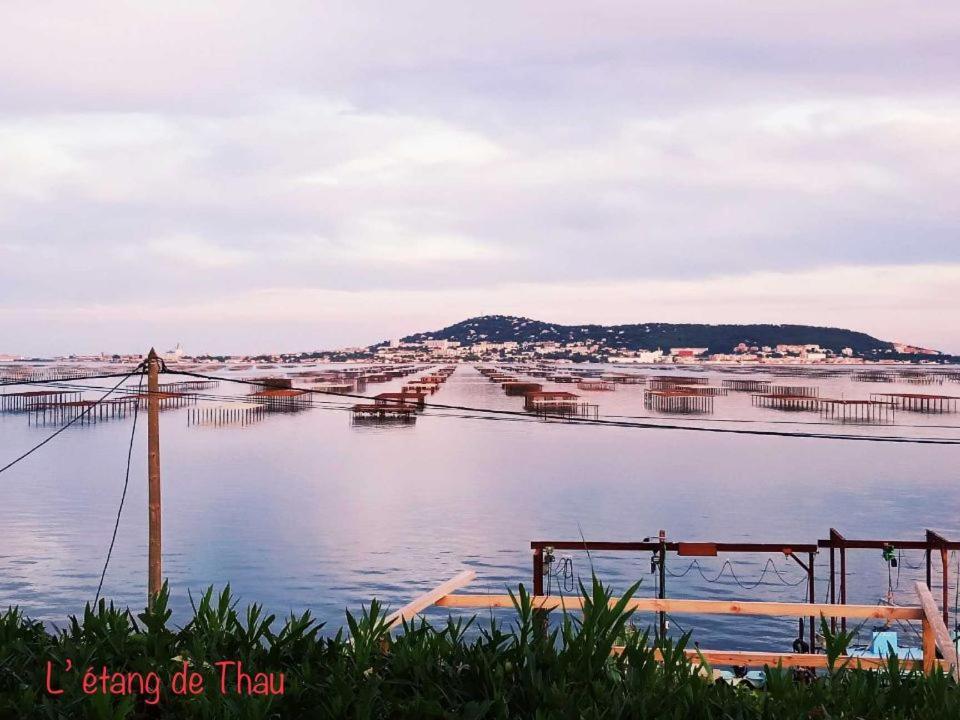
pixel 503 338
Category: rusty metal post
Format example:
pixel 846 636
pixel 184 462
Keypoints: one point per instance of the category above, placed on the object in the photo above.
pixel 941 542
pixel 813 599
pixel 538 571
pixel 946 585
pixel 833 585
pixel 662 570
pixel 843 580
pixel 540 622
pixel 154 571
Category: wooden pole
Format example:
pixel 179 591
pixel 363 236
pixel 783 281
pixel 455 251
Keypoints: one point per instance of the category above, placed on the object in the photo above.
pixel 935 634
pixel 154 574
pixel 421 603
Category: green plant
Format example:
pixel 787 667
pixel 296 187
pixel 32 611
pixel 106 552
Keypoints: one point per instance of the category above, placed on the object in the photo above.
pixel 533 666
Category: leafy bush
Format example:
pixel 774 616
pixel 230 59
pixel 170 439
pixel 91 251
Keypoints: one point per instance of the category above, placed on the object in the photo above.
pixel 459 669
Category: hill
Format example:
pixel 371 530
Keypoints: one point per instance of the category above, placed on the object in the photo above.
pixel 650 336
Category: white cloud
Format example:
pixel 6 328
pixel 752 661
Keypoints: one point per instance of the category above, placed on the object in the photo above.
pixel 188 252
pixel 311 318
pixel 469 150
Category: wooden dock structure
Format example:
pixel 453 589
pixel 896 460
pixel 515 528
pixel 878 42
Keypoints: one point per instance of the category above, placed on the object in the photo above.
pixel 169 400
pixel 12 373
pixel 796 390
pixel 711 390
pixel 596 386
pixel 754 386
pixel 234 413
pixel 401 399
pixel 187 385
pixel 856 411
pixel 86 411
pixel 335 388
pixel 785 401
pixel 677 400
pixel 624 378
pixel 426 388
pixel 670 382
pixel 24 401
pixel 550 400
pixel 366 413
pixel 919 377
pixel 873 376
pixel 516 388
pixel 919 402
pixel 282 399
pixel 559 402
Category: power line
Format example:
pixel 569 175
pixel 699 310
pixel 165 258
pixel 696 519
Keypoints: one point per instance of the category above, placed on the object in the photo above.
pixel 50 381
pixel 123 496
pixel 526 416
pixel 77 418
pixel 621 424
pixel 489 414
pixel 340 405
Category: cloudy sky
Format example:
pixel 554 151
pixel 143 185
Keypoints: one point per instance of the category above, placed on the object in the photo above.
pixel 256 176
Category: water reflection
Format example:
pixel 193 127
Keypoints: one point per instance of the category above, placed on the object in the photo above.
pixel 308 510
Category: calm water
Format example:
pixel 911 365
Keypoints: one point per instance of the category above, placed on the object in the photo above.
pixel 306 511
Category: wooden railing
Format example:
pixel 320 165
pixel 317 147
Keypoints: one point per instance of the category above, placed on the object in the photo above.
pixel 934 633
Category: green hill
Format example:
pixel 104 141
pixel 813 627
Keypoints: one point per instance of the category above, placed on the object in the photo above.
pixel 718 338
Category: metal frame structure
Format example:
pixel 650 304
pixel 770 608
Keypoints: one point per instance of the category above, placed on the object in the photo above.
pixel 933 541
pixel 836 543
pixel 661 547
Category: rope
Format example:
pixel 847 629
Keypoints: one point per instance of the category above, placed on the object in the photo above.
pixel 75 419
pixel 123 496
pixel 727 565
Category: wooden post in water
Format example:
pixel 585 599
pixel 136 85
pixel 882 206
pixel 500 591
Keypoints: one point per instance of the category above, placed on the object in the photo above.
pixel 154 574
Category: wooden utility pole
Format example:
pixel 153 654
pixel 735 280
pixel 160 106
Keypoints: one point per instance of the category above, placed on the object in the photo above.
pixel 154 575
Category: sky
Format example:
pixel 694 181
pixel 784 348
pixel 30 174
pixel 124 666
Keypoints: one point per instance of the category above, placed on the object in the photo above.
pixel 285 176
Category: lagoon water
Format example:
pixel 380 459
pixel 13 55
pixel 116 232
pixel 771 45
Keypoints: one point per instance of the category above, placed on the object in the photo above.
pixel 307 510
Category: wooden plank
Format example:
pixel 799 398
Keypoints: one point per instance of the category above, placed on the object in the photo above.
pixel 761 659
pixel 692 549
pixel 929 644
pixel 424 601
pixel 935 633
pixel 700 607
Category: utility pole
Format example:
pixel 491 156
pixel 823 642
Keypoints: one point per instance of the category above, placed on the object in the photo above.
pixel 154 575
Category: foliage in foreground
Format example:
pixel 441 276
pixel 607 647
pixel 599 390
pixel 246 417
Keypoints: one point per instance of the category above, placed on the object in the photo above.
pixel 425 671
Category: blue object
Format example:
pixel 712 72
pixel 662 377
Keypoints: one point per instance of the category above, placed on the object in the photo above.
pixel 885 643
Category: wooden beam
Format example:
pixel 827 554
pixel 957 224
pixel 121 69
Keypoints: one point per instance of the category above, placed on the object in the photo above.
pixel 699 607
pixel 693 549
pixel 761 659
pixel 935 633
pixel 433 597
